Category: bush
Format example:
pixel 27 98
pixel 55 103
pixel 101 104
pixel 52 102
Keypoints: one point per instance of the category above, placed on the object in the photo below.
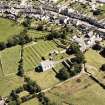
pixel 11 42
pixel 20 70
pixel 40 27
pixel 77 68
pixel 55 35
pixel 2 45
pixel 28 97
pixel 96 47
pixel 103 67
pixel 63 74
pixel 20 89
pixel 12 103
pixel 73 49
pixel 102 53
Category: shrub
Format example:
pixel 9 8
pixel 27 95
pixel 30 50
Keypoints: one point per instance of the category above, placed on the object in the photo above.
pixel 63 74
pixel 2 45
pixel 103 67
pixel 20 89
pixel 96 47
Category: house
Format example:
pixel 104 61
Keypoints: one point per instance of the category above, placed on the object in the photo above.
pixel 2 101
pixel 101 1
pixel 46 65
pixel 54 52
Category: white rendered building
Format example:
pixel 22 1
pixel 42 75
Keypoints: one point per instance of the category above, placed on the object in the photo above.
pixel 46 65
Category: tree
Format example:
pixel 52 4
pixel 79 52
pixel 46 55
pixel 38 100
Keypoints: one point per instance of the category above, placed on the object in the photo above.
pixel 96 47
pixel 12 103
pixel 20 70
pixel 80 58
pixel 77 68
pixel 27 22
pixel 63 74
pixel 40 27
pixel 97 12
pixel 102 53
pixel 55 34
pixel 13 95
pixel 103 67
pixel 11 42
pixel 43 58
pixel 73 49
pixel 2 45
pixel 20 67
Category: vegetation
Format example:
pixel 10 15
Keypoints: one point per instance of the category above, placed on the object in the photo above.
pixel 8 28
pixel 63 74
pixel 65 93
pixel 103 67
pixel 20 67
pixel 97 47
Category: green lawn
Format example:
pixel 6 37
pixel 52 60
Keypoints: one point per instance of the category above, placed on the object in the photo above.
pixel 8 83
pixel 32 57
pixel 10 58
pixel 8 28
pixel 95 61
pixel 94 58
pixel 33 53
pixel 45 79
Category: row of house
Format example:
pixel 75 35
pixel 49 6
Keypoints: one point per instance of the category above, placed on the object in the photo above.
pixel 87 41
pixel 47 13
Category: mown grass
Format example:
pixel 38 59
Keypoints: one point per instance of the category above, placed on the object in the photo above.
pixel 10 58
pixel 34 53
pixel 32 57
pixel 44 79
pixel 8 28
pixel 9 83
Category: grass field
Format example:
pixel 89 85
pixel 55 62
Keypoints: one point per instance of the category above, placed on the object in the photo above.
pixel 85 92
pixel 8 83
pixel 44 79
pixel 10 58
pixel 62 94
pixel 8 28
pixel 94 58
pixel 32 57
pixel 33 54
pixel 93 95
pixel 95 61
